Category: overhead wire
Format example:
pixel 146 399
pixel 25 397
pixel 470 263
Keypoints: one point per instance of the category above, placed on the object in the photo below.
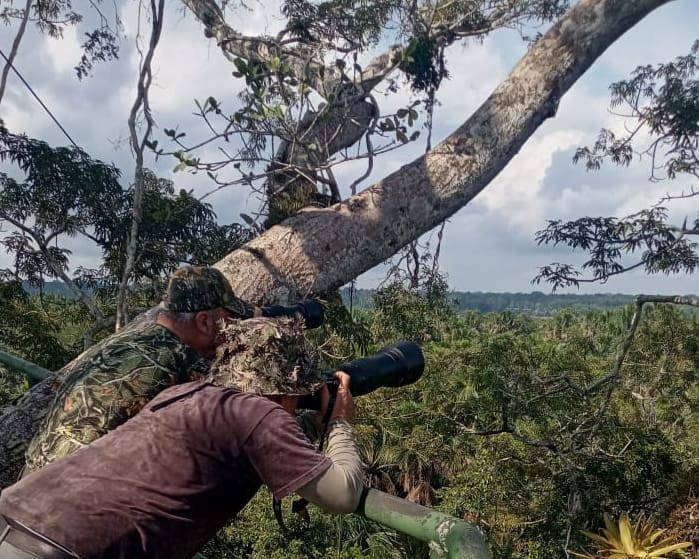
pixel 48 111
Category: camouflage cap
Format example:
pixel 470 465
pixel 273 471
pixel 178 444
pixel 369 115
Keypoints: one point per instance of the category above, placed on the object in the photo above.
pixel 199 288
pixel 267 356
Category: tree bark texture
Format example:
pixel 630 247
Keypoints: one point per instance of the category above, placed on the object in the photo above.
pixel 321 249
pixel 292 185
pixel 18 423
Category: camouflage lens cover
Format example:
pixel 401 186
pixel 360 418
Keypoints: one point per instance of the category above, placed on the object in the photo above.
pixel 267 356
pixel 198 288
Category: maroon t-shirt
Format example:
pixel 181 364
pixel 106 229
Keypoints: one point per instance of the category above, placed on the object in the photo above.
pixel 162 484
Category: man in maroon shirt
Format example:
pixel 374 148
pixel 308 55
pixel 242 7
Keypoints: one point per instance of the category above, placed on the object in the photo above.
pixel 162 484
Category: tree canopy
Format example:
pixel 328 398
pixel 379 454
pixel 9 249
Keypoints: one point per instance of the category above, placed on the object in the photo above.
pixel 663 103
pixel 65 194
pixel 530 428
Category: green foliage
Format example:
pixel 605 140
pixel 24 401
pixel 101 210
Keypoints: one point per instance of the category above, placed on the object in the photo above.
pixel 344 334
pixel 424 64
pixel 664 101
pixel 608 240
pixel 346 23
pixel 12 385
pixel 100 45
pixel 175 228
pixel 412 313
pixel 66 194
pixel 535 303
pixel 506 433
pixel 31 328
pixel 53 17
pixel 476 17
pixel 256 535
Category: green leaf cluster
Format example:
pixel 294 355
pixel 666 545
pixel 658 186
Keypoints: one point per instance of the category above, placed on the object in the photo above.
pixel 66 194
pixel 36 329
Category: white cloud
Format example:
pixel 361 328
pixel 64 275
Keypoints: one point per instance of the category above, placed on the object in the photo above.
pixel 515 193
pixel 60 56
pixel 667 32
pixel 200 71
pixel 475 69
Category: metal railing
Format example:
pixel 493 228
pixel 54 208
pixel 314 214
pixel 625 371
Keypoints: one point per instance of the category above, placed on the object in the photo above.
pixel 33 371
pixel 447 536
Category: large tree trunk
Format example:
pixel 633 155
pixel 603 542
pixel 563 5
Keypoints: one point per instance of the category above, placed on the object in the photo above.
pixel 321 249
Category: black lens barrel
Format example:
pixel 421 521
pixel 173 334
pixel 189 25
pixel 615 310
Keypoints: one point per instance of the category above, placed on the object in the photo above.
pixel 311 311
pixel 395 365
pixel 392 366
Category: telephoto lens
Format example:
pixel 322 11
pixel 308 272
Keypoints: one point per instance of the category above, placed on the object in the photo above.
pixel 311 311
pixel 392 366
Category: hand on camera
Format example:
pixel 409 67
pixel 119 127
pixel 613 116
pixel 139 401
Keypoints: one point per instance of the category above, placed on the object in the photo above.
pixel 344 404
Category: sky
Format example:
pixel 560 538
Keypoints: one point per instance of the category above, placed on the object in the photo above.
pixel 488 246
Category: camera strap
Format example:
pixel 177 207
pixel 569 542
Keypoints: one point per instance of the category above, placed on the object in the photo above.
pixel 299 506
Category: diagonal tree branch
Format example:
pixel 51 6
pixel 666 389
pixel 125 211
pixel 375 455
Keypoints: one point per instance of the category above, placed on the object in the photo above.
pixel 15 47
pixel 318 250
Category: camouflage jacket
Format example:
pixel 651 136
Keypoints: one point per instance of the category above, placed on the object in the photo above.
pixel 117 378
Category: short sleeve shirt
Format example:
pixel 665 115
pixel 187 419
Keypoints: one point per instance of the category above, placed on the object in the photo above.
pixel 167 480
pixel 117 378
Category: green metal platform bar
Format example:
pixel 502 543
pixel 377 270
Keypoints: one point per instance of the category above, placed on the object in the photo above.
pixel 33 371
pixel 448 537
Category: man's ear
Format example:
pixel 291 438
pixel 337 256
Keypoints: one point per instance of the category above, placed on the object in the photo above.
pixel 203 323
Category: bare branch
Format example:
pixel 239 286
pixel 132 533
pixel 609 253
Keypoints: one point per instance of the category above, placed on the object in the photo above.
pixel 14 49
pixel 612 378
pixel 141 104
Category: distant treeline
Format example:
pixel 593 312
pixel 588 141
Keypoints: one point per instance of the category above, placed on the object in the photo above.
pixel 57 288
pixel 533 304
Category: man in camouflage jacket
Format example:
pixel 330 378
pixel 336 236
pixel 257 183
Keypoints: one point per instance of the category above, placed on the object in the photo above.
pixel 120 375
